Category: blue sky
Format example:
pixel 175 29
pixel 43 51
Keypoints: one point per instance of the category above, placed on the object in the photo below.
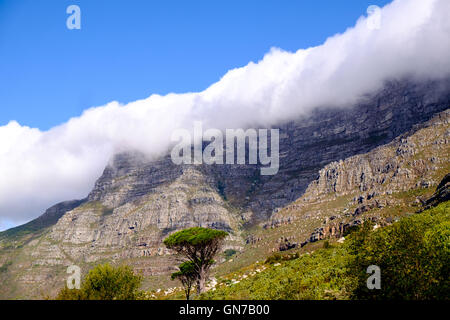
pixel 128 50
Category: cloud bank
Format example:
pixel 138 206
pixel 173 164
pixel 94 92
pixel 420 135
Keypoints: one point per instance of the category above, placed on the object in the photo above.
pixel 41 168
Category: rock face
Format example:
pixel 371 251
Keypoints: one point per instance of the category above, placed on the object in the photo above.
pixel 394 167
pixel 138 201
pixel 378 179
pixel 108 223
pixel 328 135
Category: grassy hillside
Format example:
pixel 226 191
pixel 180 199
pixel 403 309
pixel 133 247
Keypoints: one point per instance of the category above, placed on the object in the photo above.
pixel 412 253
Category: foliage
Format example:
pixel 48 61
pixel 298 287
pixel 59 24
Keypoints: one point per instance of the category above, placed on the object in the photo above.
pixel 229 253
pixel 187 276
pixel 5 266
pixel 413 256
pixel 105 282
pixel 196 236
pixel 70 294
pixel 278 257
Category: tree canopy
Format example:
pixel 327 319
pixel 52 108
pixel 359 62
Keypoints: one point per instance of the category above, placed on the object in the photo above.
pixel 196 236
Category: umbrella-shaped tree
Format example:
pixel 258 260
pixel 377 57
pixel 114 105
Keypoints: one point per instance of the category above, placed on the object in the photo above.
pixel 199 245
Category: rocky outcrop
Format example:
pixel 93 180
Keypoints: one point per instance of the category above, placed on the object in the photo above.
pixel 340 229
pixel 277 222
pixel 286 243
pixel 394 167
pixel 442 193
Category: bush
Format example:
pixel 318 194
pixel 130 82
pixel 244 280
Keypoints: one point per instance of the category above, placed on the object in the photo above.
pixel 5 266
pixel 412 254
pixel 70 294
pixel 105 282
pixel 229 253
pixel 278 257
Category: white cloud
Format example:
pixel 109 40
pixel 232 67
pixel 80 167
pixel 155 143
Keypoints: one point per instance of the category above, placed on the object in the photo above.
pixel 38 169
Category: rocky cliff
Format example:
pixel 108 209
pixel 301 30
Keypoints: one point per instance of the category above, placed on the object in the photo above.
pixel 327 135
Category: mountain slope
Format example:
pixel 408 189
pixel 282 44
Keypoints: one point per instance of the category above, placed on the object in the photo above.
pixel 382 185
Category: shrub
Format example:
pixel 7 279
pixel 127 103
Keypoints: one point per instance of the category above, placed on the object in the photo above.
pixel 5 266
pixel 278 257
pixel 412 254
pixel 229 253
pixel 105 282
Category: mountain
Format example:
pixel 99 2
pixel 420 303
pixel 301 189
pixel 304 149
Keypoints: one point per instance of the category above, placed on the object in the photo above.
pixel 336 166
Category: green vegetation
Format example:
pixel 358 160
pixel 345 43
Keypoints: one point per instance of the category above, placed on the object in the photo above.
pixel 278 257
pixel 199 246
pixel 105 282
pixel 321 275
pixel 5 266
pixel 412 254
pixel 229 253
pixel 196 236
pixel 187 277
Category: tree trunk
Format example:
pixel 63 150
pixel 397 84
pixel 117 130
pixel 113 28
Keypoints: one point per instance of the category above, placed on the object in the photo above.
pixel 201 282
